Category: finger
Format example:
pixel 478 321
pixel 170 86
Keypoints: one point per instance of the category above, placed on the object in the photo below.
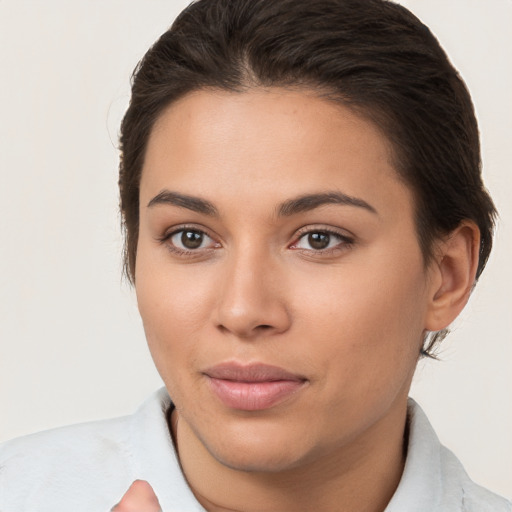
pixel 140 497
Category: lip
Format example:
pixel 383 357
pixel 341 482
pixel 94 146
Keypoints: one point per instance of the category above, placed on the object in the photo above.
pixel 252 387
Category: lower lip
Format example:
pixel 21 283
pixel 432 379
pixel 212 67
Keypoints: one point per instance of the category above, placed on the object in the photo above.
pixel 254 396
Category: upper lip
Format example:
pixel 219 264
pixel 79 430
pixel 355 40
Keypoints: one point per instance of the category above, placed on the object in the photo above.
pixel 255 372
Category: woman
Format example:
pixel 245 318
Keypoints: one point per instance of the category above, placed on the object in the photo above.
pixel 304 212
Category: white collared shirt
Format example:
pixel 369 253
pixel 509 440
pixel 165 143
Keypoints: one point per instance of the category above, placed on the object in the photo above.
pixel 88 467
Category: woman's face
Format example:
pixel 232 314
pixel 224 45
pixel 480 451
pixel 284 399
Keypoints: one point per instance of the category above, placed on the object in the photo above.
pixel 279 277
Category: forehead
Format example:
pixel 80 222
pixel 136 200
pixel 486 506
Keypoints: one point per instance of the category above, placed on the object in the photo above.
pixel 268 142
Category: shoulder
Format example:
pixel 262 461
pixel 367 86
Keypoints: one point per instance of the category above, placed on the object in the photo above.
pixel 85 467
pixel 77 442
pixel 473 497
pixel 433 477
pixel 65 464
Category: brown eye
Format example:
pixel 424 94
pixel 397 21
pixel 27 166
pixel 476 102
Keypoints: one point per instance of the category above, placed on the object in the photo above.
pixel 190 239
pixel 322 241
pixel 319 240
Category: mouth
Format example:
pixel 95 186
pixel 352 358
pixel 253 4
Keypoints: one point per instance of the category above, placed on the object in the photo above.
pixel 252 387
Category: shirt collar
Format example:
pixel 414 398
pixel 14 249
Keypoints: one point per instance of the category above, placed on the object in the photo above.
pixel 422 487
pixel 155 458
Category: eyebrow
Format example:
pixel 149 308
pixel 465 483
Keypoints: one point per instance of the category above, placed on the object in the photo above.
pixel 291 207
pixel 195 204
pixel 311 201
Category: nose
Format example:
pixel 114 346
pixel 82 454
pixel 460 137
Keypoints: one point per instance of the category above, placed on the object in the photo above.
pixel 251 300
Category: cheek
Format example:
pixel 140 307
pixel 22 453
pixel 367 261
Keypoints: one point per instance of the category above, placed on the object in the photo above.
pixel 170 320
pixel 173 306
pixel 368 321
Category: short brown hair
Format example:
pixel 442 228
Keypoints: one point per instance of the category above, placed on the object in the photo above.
pixel 371 55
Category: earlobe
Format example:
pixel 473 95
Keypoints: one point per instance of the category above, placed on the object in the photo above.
pixel 453 275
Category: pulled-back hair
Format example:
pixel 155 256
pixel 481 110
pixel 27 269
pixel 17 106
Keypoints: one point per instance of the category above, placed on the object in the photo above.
pixel 372 56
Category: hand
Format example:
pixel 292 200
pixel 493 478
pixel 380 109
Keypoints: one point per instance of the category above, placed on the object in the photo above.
pixel 138 498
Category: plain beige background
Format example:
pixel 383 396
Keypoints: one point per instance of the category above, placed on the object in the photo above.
pixel 71 343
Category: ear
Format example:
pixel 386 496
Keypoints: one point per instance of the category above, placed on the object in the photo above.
pixel 453 275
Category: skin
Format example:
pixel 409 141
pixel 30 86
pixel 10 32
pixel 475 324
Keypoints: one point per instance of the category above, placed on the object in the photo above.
pixel 140 497
pixel 349 319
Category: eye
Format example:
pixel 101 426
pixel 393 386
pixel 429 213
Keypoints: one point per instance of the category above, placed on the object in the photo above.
pixel 188 239
pixel 321 240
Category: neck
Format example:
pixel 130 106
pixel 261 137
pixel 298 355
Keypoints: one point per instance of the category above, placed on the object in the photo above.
pixel 362 476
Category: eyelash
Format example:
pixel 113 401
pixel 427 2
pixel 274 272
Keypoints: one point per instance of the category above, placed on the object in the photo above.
pixel 167 237
pixel 345 242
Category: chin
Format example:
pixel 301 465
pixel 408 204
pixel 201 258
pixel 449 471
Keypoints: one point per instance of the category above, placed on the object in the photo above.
pixel 260 462
pixel 258 451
